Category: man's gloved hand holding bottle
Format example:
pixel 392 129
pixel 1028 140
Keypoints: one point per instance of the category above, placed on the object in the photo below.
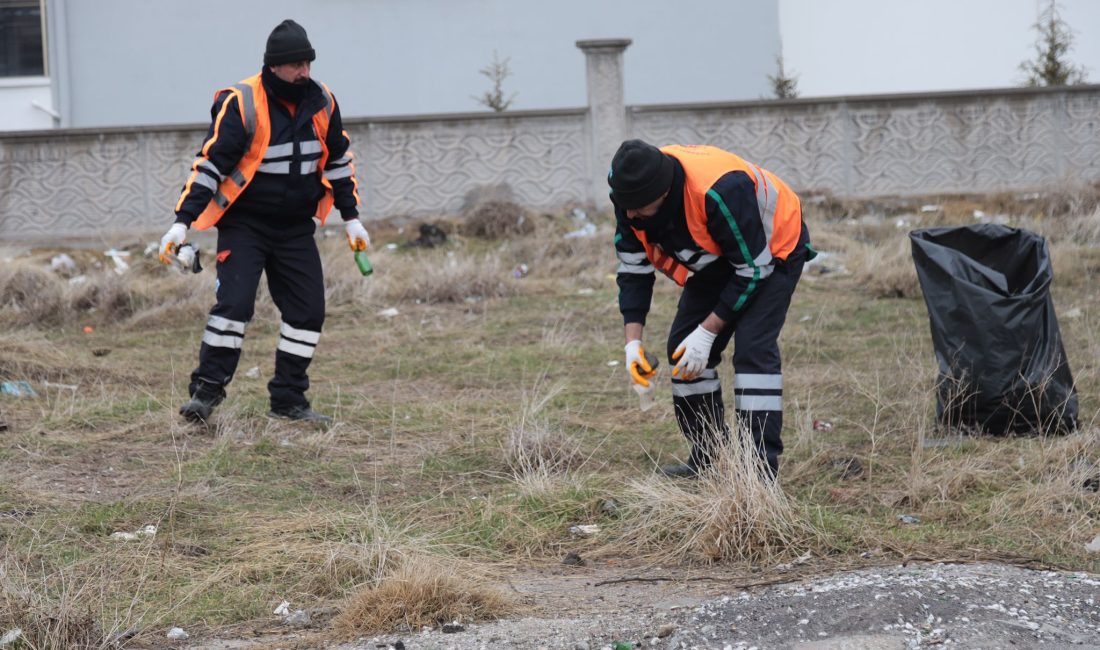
pixel 642 368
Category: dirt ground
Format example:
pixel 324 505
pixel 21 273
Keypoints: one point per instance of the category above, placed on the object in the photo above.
pixel 890 607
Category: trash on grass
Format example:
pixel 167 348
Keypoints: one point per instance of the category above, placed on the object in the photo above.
pixel 50 384
pixel 520 271
pixel 613 362
pixel 283 609
pixel 823 425
pixel 253 372
pixel 17 389
pixel 300 618
pixel 148 530
pixel 584 530
pixel 579 215
pixel 10 637
pixel 63 263
pixel 586 291
pixel 908 519
pixel 389 313
pixel 930 207
pixel 119 258
pixel 177 634
pixel 1094 545
pixel 587 230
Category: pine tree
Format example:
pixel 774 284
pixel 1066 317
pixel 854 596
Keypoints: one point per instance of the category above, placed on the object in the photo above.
pixel 497 72
pixel 1054 41
pixel 783 87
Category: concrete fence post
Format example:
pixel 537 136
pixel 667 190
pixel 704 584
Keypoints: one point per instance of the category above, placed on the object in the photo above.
pixel 605 128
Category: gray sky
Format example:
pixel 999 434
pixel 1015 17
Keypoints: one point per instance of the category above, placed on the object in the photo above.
pixel 853 47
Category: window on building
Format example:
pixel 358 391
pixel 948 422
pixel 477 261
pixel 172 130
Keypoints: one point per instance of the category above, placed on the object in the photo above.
pixel 22 52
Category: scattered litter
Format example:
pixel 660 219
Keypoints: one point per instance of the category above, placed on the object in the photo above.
pixel 587 230
pixel 3 426
pixel 10 637
pixel 50 384
pixel 579 215
pixel 253 372
pixel 1094 545
pixel 77 280
pixel 300 618
pixel 930 207
pixel 100 352
pixel 666 630
pixel 451 628
pixel 805 319
pixel 622 645
pixel 177 634
pixel 584 530
pixel 1028 196
pixel 586 291
pixel 17 389
pixel 520 271
pixel 823 425
pixel 908 519
pixel 152 249
pixel 88 329
pixel 148 530
pixel 431 236
pixel 63 263
pixel 283 609
pixel 848 467
pixel 389 313
pixel 903 223
pixel 119 258
pixel 613 362
pixel 1073 313
pixel 798 561
pixel 610 507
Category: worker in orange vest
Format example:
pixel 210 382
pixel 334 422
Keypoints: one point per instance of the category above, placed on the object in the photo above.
pixel 731 234
pixel 274 163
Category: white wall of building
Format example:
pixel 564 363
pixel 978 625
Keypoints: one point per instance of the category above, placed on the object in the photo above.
pixel 138 62
pixel 18 99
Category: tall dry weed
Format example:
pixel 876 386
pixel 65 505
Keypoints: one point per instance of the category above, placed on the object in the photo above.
pixel 730 513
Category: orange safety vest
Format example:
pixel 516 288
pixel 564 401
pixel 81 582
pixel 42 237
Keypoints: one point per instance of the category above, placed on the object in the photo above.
pixel 780 209
pixel 252 100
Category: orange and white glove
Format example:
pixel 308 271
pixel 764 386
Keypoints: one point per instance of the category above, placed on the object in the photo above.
pixel 358 238
pixel 640 368
pixel 693 354
pixel 170 242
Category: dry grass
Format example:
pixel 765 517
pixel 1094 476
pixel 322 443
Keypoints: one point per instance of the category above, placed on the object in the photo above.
pixel 731 513
pixel 421 592
pixel 480 424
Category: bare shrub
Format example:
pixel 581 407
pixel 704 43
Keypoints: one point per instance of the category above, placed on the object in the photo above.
pixel 422 592
pixel 537 451
pixel 497 220
pixel 52 613
pixel 731 513
pixel 885 270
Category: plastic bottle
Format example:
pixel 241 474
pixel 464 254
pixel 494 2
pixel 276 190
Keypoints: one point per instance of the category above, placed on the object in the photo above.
pixel 363 263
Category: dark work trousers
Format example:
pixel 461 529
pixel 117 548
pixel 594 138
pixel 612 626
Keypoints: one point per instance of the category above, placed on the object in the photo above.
pixel 758 383
pixel 248 246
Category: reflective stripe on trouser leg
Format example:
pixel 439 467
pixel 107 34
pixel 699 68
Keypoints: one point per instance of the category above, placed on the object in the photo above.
pixel 758 399
pixel 297 287
pixel 701 415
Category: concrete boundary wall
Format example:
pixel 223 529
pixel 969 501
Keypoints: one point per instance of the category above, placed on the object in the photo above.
pixel 100 183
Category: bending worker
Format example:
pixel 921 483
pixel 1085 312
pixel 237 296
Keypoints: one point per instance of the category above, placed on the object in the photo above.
pixel 274 163
pixel 731 234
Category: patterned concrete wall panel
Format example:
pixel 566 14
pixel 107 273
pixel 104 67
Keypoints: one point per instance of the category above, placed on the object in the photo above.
pixel 1082 130
pixel 950 147
pixel 170 154
pixel 430 166
pixel 804 145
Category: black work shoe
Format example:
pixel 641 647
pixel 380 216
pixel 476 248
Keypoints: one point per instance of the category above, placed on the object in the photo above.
pixel 198 409
pixel 299 414
pixel 681 470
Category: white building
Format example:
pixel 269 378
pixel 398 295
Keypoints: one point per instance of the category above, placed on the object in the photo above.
pixel 101 63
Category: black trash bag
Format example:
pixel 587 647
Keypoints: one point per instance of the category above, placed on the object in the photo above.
pixel 1002 366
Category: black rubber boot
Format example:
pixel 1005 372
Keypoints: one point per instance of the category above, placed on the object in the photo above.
pixel 198 409
pixel 299 414
pixel 680 470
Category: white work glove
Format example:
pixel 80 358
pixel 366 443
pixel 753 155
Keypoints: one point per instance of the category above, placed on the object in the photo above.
pixel 358 238
pixel 693 354
pixel 640 366
pixel 171 241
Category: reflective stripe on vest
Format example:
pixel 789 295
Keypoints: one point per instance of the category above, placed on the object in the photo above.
pixel 252 100
pixel 780 209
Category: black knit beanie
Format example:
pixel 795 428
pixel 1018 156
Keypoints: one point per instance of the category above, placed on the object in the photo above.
pixel 639 174
pixel 288 43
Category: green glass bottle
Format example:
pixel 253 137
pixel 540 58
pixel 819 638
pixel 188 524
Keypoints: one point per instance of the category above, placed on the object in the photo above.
pixel 363 263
